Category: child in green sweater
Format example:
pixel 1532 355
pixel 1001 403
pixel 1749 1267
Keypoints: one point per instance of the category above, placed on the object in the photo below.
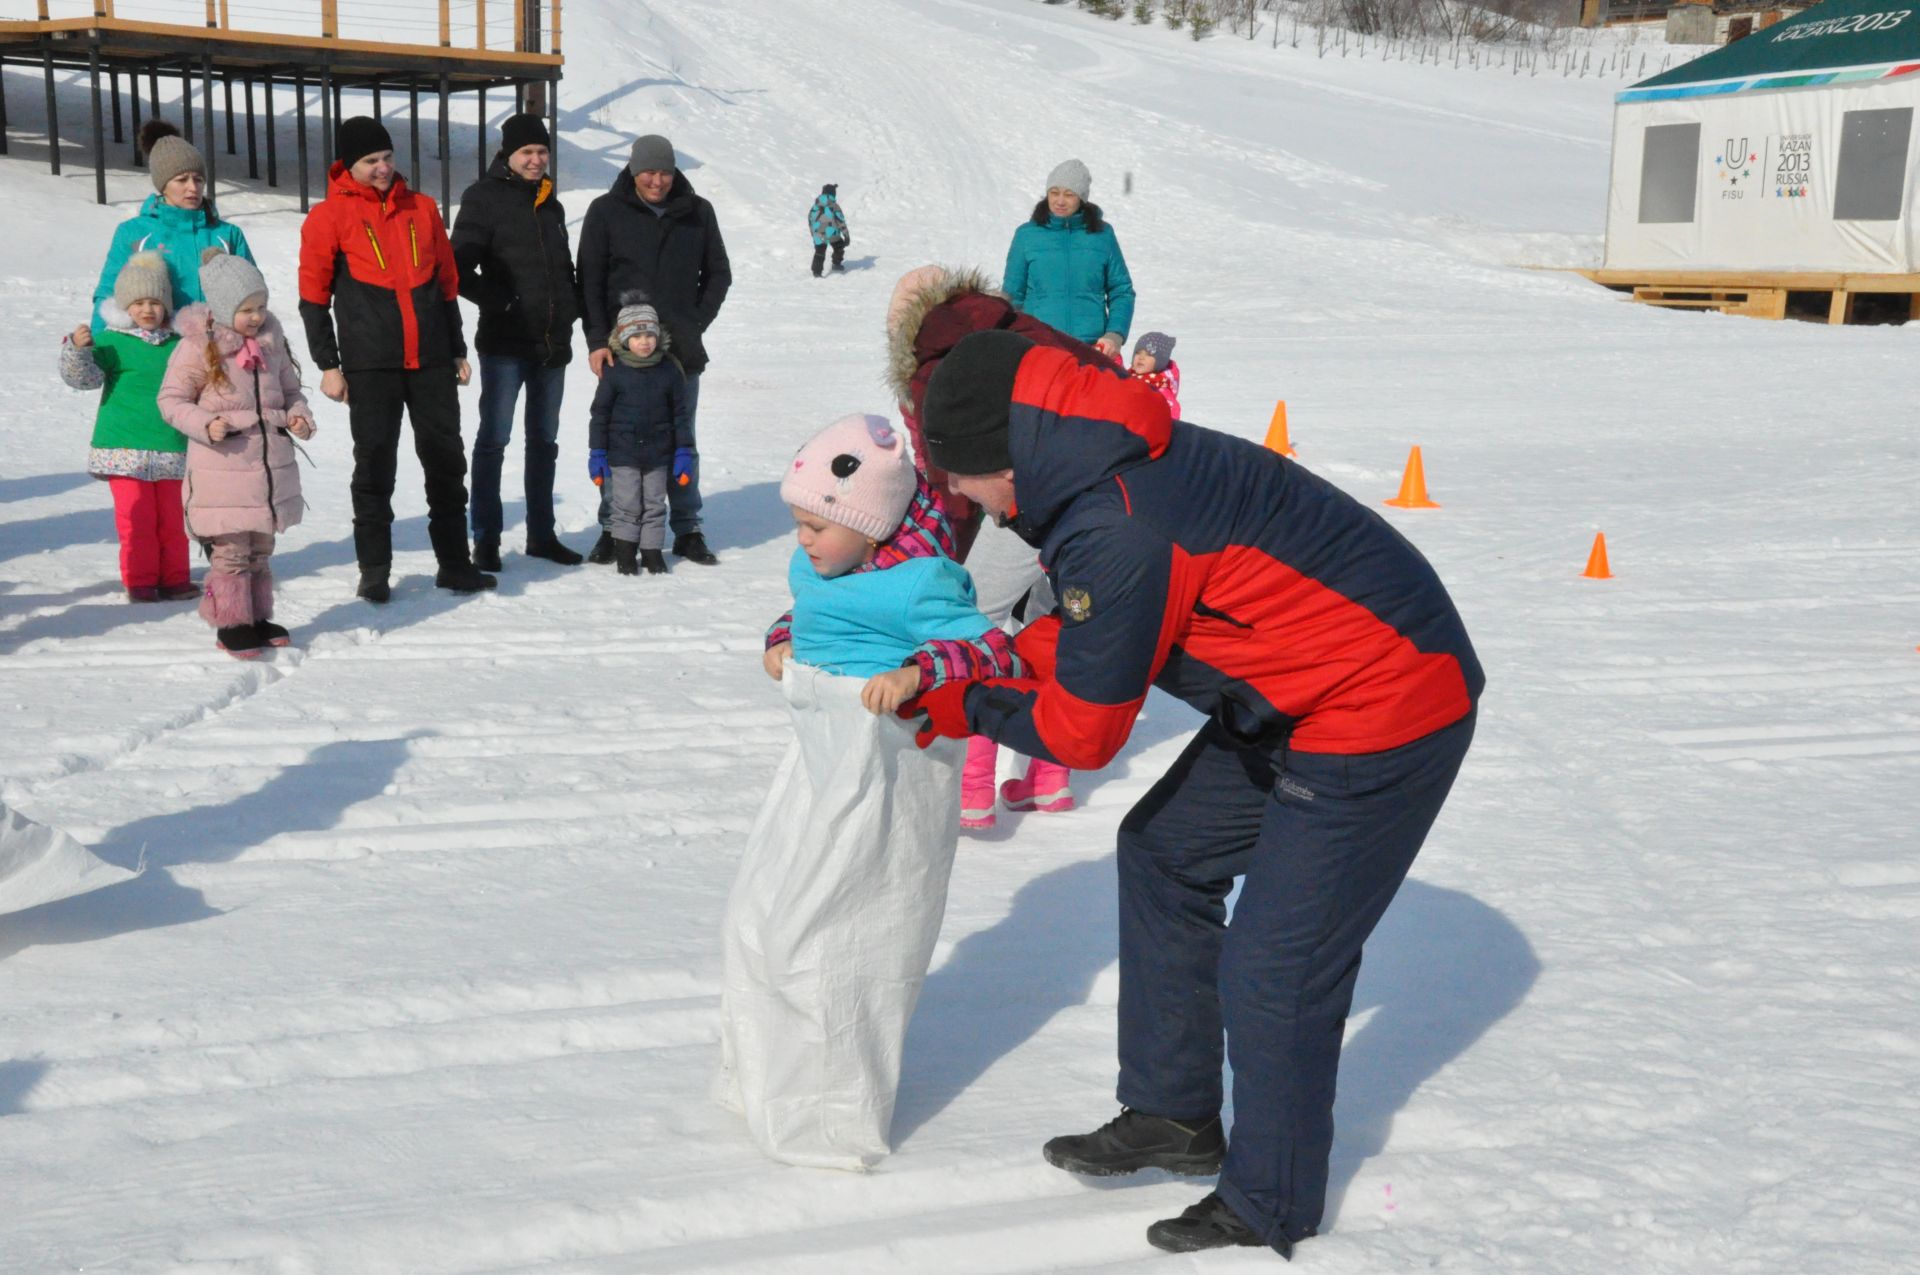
pixel 141 458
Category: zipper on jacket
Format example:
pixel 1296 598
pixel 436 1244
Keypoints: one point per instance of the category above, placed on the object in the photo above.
pixel 546 261
pixel 379 257
pixel 413 242
pixel 266 451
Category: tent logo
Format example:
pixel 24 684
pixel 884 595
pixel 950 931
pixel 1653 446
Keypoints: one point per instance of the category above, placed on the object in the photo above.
pixel 1793 165
pixel 1736 162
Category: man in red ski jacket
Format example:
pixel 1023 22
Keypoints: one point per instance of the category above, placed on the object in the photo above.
pixel 1340 691
pixel 374 257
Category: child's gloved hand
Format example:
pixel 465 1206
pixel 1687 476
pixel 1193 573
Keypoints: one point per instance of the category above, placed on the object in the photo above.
pixel 885 692
pixel 776 658
pixel 945 709
pixel 683 458
pixel 597 466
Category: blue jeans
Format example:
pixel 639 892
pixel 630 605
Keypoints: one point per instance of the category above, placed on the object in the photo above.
pixel 1323 842
pixel 501 379
pixel 683 503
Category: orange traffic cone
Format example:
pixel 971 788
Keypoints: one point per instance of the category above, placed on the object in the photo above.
pixel 1413 485
pixel 1597 560
pixel 1277 431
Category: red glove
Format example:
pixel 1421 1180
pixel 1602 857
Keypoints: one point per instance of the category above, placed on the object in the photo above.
pixel 1035 645
pixel 945 710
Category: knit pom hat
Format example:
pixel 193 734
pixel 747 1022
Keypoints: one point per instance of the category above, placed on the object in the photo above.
pixel 143 278
pixel 1156 345
pixel 969 401
pixel 169 154
pixel 1071 174
pixel 855 472
pixel 227 281
pixel 634 318
pixel 360 137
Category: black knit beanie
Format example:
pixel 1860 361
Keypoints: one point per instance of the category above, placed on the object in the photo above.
pixel 969 401
pixel 358 138
pixel 524 130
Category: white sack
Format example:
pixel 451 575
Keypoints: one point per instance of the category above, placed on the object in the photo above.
pixel 39 864
pixel 831 924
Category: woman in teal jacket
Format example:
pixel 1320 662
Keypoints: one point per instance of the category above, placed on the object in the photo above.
pixel 177 221
pixel 1065 269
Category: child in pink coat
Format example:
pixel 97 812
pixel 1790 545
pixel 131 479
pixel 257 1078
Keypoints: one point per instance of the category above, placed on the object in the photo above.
pixel 233 389
pixel 1153 363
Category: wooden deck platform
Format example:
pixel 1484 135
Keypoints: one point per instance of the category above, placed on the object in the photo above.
pixel 1834 296
pixel 519 50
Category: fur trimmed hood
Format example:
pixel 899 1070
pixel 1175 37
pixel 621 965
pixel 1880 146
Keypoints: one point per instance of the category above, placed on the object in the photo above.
pixel 195 323
pixel 1092 220
pixel 117 319
pixel 914 297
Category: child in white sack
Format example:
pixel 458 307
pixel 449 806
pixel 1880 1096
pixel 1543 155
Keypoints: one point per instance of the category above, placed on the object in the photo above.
pixel 833 916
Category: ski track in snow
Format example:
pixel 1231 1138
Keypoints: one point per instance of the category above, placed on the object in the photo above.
pixel 422 972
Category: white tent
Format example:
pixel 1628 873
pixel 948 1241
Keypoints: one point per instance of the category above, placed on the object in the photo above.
pixel 1789 150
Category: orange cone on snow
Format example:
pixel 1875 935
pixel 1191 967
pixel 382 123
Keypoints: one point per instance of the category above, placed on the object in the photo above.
pixel 1597 560
pixel 1277 431
pixel 1413 485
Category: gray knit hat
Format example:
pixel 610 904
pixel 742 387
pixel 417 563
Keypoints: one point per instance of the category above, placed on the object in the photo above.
pixel 227 281
pixel 1071 174
pixel 144 276
pixel 632 320
pixel 172 156
pixel 651 153
pixel 1157 345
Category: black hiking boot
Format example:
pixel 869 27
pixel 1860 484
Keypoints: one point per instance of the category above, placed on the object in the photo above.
pixel 693 547
pixel 552 551
pixel 602 552
pixel 463 577
pixel 1134 1140
pixel 1208 1224
pixel 654 561
pixel 239 641
pixel 373 585
pixel 486 553
pixel 626 555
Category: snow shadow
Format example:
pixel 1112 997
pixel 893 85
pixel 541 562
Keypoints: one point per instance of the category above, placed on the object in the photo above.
pixel 308 797
pixel 17 1079
pixel 745 517
pixel 34 486
pixel 1003 984
pixel 151 901
pixel 57 531
pixel 1441 969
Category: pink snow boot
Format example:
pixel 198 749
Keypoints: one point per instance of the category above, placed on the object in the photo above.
pixel 227 605
pixel 1046 788
pixel 976 783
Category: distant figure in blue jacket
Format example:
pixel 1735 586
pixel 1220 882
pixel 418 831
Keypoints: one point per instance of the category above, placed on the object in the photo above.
pixel 829 227
pixel 1065 268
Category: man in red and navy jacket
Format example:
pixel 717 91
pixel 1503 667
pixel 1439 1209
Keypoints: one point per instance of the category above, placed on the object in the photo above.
pixel 374 256
pixel 1340 691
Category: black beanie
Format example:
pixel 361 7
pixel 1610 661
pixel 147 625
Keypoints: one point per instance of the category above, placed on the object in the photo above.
pixel 358 138
pixel 969 401
pixel 524 130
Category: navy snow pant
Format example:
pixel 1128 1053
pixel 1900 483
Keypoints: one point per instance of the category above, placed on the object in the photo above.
pixel 1323 842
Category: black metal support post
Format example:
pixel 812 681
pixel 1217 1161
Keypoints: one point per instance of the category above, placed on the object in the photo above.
pixel 226 83
pixel 133 100
pixel 446 163
pixel 329 122
pixel 300 98
pixel 273 131
pixel 480 140
pixel 186 98
pixel 53 116
pixel 99 127
pixel 153 90
pixel 212 150
pixel 3 109
pixel 553 120
pixel 253 152
pixel 413 122
pixel 113 86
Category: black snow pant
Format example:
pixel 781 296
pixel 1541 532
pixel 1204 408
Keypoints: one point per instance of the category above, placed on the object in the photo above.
pixel 1323 842
pixel 820 255
pixel 376 399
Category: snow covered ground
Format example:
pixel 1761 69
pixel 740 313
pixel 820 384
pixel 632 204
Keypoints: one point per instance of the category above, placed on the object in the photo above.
pixel 421 972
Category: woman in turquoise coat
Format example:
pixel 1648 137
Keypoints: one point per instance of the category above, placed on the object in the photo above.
pixel 1065 268
pixel 178 220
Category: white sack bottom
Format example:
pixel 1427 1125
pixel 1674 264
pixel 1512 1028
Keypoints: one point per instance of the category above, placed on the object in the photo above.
pixel 831 924
pixel 39 864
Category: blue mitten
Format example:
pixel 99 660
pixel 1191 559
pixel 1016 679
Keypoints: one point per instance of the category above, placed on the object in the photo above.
pixel 597 465
pixel 683 458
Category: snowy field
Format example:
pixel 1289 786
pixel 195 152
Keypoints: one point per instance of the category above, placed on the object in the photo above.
pixel 421 972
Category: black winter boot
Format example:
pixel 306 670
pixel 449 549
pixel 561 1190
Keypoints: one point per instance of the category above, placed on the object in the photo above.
pixel 239 641
pixel 1134 1140
pixel 463 577
pixel 625 553
pixel 271 634
pixel 1208 1224
pixel 373 585
pixel 693 547
pixel 552 551
pixel 654 561
pixel 602 552
pixel 486 553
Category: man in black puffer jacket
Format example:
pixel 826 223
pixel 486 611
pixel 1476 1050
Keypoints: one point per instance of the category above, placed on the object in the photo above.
pixel 510 240
pixel 651 236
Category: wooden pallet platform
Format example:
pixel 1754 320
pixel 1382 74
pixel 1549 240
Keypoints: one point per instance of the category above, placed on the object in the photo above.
pixel 1804 294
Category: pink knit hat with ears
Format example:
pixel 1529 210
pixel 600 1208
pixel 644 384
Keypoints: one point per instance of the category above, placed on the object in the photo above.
pixel 855 472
